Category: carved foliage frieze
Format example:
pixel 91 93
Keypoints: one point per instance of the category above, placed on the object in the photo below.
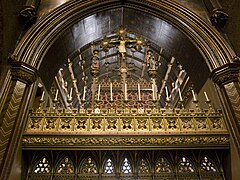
pixel 125 141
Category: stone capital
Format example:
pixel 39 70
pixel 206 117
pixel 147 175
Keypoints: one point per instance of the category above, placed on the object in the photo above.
pixel 227 73
pixel 22 71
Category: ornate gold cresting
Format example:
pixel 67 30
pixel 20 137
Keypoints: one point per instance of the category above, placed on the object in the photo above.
pixel 156 121
pixel 150 127
pixel 112 117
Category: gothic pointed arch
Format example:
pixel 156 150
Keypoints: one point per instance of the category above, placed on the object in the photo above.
pixel 88 166
pixel 61 155
pixel 42 163
pixel 108 167
pixel 164 162
pixel 42 166
pixel 186 166
pixel 125 161
pixel 208 165
pixel 109 162
pixel 207 36
pixel 163 165
pixel 87 158
pixel 126 166
pixel 65 166
pixel 144 164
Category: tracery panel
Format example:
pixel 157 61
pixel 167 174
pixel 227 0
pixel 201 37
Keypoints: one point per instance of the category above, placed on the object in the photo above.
pixel 65 166
pixel 186 169
pixel 208 169
pixel 88 170
pixel 126 166
pixel 185 166
pixel 89 166
pixel 163 168
pixel 41 170
pixel 42 166
pixel 143 167
pixel 108 167
pixel 111 165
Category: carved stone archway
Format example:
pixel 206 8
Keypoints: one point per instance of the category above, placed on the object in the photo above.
pixel 30 52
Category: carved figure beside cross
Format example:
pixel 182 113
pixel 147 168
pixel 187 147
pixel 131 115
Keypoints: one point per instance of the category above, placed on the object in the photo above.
pixel 95 60
pixel 150 60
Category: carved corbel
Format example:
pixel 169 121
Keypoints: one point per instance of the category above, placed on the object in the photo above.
pixel 227 73
pixel 219 17
pixel 29 12
pixel 22 71
pixel 216 13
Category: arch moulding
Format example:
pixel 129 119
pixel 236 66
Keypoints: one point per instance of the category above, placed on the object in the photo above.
pixel 37 41
pixel 34 45
pixel 217 52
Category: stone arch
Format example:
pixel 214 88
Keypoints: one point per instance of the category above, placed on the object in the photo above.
pixel 30 52
pixel 34 45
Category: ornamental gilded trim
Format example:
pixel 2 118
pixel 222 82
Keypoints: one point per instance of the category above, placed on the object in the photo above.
pixel 126 141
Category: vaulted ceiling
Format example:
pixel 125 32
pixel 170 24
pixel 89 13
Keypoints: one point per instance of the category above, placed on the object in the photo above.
pixel 171 48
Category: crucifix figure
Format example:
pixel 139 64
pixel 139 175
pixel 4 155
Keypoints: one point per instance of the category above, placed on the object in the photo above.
pixel 121 43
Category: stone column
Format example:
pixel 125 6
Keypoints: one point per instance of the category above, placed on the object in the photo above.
pixel 227 79
pixel 14 111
